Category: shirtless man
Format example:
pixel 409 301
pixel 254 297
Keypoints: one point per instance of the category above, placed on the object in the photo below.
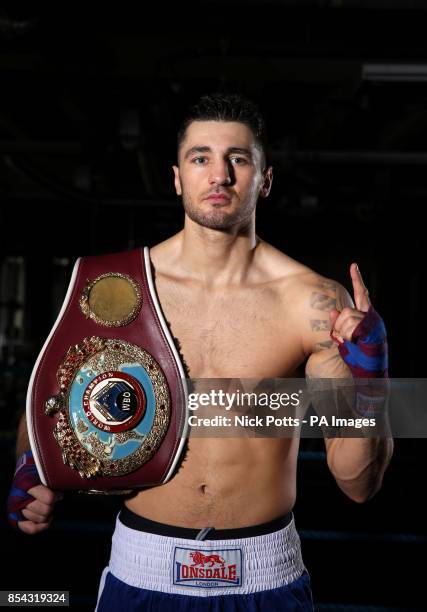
pixel 250 312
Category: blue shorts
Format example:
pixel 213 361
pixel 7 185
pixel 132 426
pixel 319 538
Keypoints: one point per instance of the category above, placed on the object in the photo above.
pixel 118 596
pixel 152 571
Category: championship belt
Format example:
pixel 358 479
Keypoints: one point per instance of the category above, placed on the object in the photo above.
pixel 107 399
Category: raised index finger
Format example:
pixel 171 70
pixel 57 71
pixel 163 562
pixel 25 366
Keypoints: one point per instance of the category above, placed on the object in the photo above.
pixel 361 294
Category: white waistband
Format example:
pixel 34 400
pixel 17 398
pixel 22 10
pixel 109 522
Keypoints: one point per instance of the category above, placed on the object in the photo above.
pixel 206 567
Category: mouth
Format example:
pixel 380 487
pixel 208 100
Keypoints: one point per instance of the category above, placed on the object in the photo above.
pixel 219 198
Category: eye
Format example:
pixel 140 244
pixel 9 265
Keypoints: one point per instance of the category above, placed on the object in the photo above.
pixel 199 161
pixel 238 161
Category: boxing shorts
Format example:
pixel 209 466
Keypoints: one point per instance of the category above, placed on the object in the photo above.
pixel 154 566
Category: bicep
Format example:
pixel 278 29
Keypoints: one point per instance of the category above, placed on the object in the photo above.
pixel 324 360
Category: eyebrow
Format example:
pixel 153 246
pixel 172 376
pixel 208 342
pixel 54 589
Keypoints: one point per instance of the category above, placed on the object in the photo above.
pixel 209 150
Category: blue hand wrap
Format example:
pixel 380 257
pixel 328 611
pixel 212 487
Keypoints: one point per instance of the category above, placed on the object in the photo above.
pixel 25 478
pixel 367 353
pixel 367 357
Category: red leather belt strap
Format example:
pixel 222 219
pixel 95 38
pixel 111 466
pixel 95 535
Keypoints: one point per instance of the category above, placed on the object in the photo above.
pixel 160 442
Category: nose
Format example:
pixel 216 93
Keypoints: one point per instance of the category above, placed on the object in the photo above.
pixel 220 173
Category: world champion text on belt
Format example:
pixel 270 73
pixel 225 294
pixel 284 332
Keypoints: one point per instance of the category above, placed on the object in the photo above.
pixel 108 424
pixel 108 384
pixel 113 407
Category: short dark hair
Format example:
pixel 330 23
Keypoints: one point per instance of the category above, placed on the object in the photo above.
pixel 227 107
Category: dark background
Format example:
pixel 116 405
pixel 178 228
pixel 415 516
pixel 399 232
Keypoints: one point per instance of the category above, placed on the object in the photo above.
pixel 91 97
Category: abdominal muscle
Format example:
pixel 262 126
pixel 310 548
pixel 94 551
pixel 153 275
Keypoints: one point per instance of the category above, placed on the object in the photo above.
pixel 225 483
pixel 228 482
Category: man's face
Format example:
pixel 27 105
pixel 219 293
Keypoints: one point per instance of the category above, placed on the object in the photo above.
pixel 220 174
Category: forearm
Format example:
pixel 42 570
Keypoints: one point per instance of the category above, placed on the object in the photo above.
pixel 22 441
pixel 358 464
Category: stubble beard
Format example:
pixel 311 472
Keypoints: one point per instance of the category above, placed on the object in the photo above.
pixel 217 218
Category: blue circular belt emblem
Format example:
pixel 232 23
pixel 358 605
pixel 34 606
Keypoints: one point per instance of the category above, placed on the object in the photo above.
pixel 114 407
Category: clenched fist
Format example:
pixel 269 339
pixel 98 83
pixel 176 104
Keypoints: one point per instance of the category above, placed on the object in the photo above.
pixel 30 503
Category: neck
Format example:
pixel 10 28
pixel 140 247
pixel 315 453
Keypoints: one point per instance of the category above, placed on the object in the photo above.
pixel 218 257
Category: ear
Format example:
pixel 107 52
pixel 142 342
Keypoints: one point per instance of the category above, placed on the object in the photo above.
pixel 266 182
pixel 177 180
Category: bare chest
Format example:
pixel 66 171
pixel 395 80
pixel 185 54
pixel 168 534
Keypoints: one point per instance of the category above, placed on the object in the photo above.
pixel 241 333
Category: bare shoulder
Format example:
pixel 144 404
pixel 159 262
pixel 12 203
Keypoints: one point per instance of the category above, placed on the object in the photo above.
pixel 305 283
pixel 318 296
pixel 283 274
pixel 308 297
pixel 275 264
